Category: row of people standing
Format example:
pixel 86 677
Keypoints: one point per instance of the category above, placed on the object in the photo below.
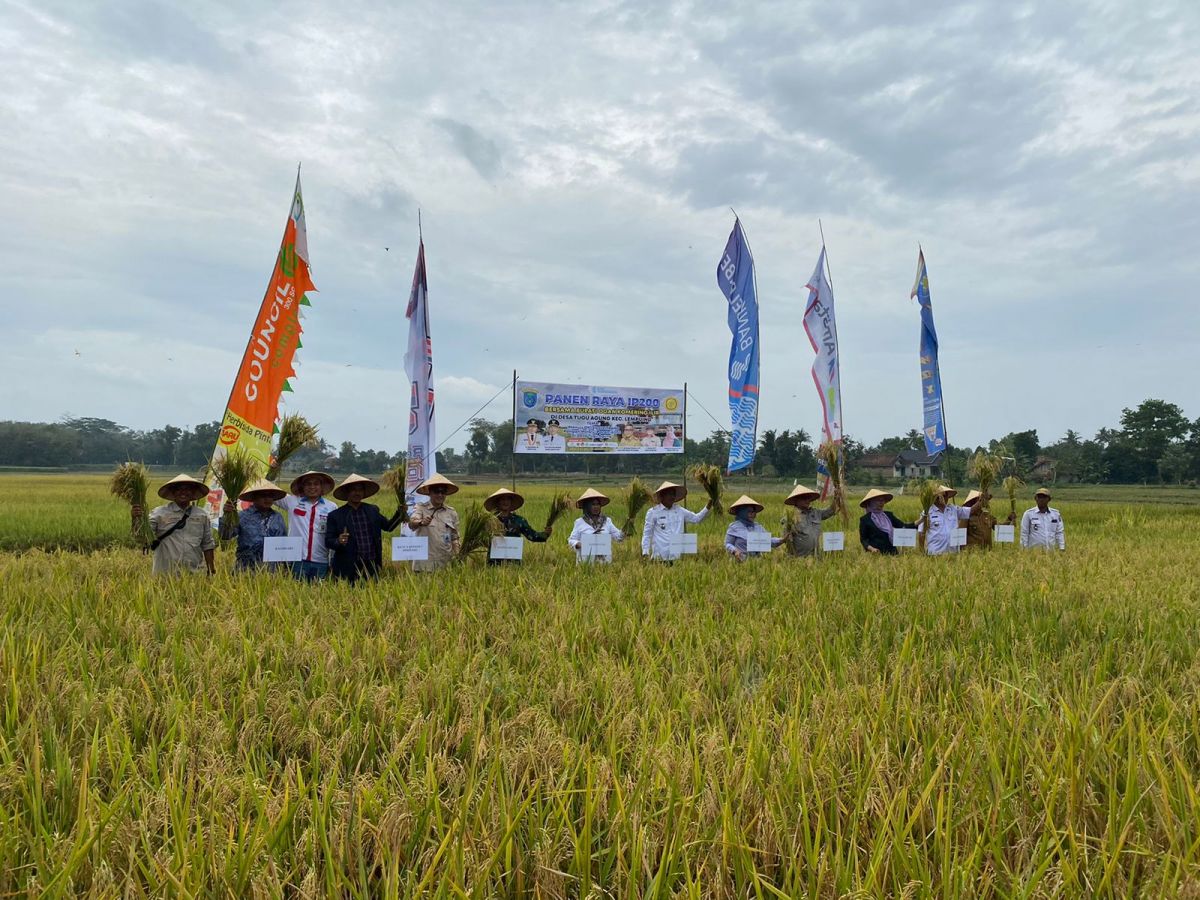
pixel 347 542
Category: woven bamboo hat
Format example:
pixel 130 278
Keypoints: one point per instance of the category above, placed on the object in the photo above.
pixel 199 488
pixel 799 492
pixel 424 486
pixel 679 489
pixel 327 482
pixel 971 498
pixel 945 491
pixel 1042 492
pixel 874 494
pixel 262 486
pixel 746 500
pixel 342 491
pixel 490 503
pixel 591 494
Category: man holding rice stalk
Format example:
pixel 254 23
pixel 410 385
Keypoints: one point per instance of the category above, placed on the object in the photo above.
pixel 436 521
pixel 667 519
pixel 593 521
pixel 745 510
pixel 981 523
pixel 943 518
pixel 255 524
pixel 183 538
pixel 803 535
pixel 307 510
pixel 503 504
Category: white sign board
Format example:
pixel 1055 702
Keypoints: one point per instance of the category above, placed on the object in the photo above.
pixel 507 548
pixel 958 538
pixel 904 537
pixel 682 544
pixel 833 540
pixel 758 542
pixel 410 549
pixel 1005 534
pixel 595 546
pixel 283 549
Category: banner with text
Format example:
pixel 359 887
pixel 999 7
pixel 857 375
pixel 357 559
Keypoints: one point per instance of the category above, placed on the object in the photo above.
pixel 575 418
pixel 735 277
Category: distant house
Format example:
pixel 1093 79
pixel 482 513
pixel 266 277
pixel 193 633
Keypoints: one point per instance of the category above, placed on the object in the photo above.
pixel 1044 471
pixel 903 465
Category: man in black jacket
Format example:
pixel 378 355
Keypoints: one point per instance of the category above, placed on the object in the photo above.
pixel 877 525
pixel 354 532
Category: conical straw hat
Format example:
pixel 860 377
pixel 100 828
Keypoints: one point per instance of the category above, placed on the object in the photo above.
pixel 590 494
pixel 971 498
pixel 327 482
pixel 946 491
pixel 874 494
pixel 679 489
pixel 262 486
pixel 799 491
pixel 490 503
pixel 424 486
pixel 181 480
pixel 341 491
pixel 746 500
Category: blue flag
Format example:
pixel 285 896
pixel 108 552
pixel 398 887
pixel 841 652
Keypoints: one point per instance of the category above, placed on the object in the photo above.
pixel 735 277
pixel 931 378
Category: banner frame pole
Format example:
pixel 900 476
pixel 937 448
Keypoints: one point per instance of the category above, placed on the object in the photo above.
pixel 513 447
pixel 685 434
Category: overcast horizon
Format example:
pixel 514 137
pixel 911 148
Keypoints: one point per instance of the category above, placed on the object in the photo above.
pixel 575 166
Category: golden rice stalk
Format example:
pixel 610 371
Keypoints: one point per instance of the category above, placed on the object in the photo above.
pixel 1012 484
pixel 928 491
pixel 984 468
pixel 559 505
pixel 234 471
pixel 789 522
pixel 710 479
pixel 475 531
pixel 637 498
pixel 831 455
pixel 394 480
pixel 130 482
pixel 295 433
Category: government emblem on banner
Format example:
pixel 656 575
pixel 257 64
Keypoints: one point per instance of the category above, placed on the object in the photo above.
pixel 529 398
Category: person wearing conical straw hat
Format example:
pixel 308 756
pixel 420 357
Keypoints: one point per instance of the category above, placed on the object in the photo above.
pixel 877 525
pixel 306 509
pixel 943 518
pixel 503 504
pixel 804 534
pixel 667 519
pixel 255 524
pixel 745 510
pixel 981 523
pixel 593 521
pixel 354 532
pixel 183 535
pixel 1042 525
pixel 436 521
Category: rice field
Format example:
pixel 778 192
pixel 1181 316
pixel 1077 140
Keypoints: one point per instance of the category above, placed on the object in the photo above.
pixel 1006 724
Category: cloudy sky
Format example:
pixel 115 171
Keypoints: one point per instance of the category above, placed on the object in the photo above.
pixel 575 164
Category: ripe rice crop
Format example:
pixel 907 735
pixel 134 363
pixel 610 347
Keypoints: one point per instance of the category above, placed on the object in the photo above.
pixel 994 724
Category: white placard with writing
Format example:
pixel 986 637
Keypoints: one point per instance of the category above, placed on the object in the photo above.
pixel 595 546
pixel 904 537
pixel 682 544
pixel 958 538
pixel 833 541
pixel 1005 534
pixel 283 549
pixel 410 549
pixel 758 542
pixel 507 548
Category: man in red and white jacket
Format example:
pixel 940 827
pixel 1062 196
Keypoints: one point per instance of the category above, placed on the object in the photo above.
pixel 306 509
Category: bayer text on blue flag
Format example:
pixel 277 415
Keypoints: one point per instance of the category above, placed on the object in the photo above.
pixel 735 277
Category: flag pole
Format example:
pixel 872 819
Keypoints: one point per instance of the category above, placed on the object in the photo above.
pixel 838 350
pixel 685 434
pixel 513 448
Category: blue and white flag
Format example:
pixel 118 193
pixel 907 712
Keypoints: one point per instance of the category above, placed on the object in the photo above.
pixel 931 379
pixel 421 461
pixel 735 277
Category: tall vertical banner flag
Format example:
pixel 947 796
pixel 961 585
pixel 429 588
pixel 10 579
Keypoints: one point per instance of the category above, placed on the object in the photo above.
pixel 931 378
pixel 820 325
pixel 251 416
pixel 421 461
pixel 735 277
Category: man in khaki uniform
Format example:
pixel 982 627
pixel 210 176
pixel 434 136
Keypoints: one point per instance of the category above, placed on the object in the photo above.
pixel 436 521
pixel 804 534
pixel 183 534
pixel 981 523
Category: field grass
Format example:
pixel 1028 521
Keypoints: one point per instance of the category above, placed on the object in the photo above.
pixel 1008 724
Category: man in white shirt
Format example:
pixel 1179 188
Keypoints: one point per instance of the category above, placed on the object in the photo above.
pixel 554 441
pixel 1042 526
pixel 943 522
pixel 305 510
pixel 668 519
